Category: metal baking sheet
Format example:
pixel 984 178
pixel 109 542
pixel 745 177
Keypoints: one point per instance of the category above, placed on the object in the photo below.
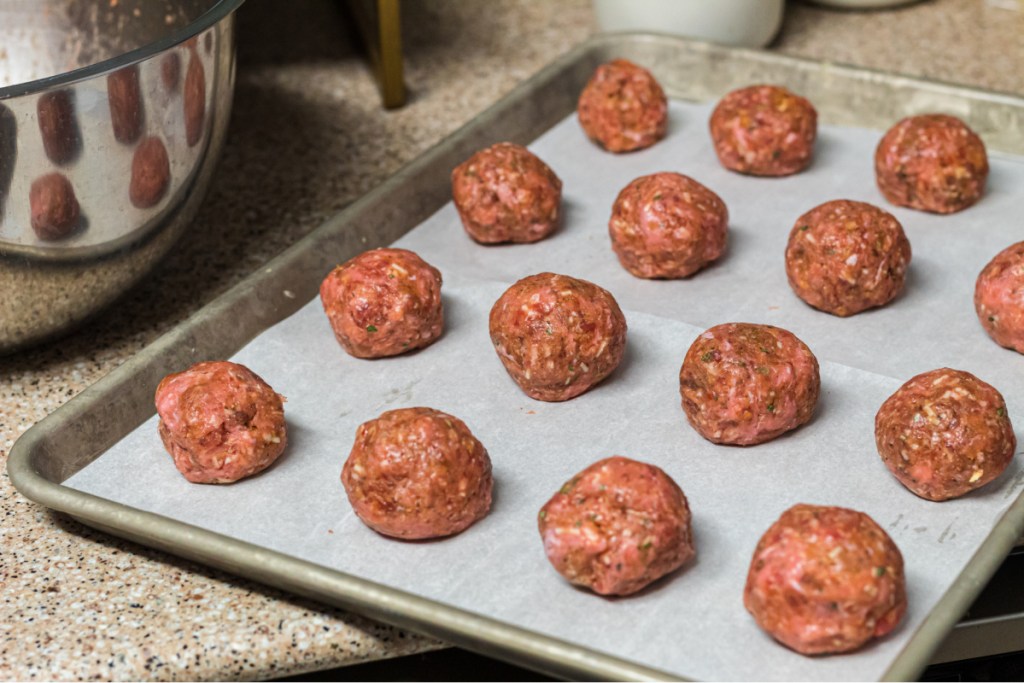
pixel 63 444
pixel 536 446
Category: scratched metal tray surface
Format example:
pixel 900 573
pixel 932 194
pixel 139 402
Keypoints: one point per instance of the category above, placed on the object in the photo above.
pixel 86 427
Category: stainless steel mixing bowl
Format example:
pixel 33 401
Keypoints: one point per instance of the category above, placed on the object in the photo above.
pixel 112 116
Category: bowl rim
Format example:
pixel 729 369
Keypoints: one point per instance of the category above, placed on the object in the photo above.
pixel 220 10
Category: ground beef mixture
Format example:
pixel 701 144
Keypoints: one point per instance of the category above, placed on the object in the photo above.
pixel 557 336
pixel 617 526
pixel 505 193
pixel 667 225
pixel 417 473
pixel 945 433
pixel 220 421
pixel 764 130
pixel 623 108
pixel 744 384
pixel 845 257
pixel 826 580
pixel 932 162
pixel 999 297
pixel 384 302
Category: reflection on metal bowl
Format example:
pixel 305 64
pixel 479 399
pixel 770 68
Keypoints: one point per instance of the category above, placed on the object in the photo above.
pixel 112 116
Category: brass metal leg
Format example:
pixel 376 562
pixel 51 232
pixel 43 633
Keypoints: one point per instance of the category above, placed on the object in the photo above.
pixel 380 27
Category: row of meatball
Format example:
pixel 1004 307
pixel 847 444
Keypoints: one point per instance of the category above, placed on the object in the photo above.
pixel 615 527
pixel 842 257
pixel 942 434
pixel 932 162
pixel 619 525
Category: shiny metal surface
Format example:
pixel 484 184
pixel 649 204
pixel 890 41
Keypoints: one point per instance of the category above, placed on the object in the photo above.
pixel 112 115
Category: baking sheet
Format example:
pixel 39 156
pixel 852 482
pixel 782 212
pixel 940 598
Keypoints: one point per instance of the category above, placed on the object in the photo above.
pixel 692 622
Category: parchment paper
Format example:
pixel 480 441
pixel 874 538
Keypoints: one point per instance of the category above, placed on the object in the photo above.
pixel 692 623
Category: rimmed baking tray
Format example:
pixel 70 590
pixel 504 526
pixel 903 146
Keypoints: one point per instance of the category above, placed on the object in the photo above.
pixel 82 430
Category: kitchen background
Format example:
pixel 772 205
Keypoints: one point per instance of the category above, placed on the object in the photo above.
pixel 307 136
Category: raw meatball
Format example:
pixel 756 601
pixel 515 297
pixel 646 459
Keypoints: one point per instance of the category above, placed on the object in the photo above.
pixel 417 473
pixel 151 173
pixel 506 194
pixel 999 298
pixel 667 225
pixel 744 384
pixel 945 433
pixel 844 257
pixel 764 130
pixel 220 421
pixel 384 302
pixel 557 336
pixel 931 162
pixel 125 101
pixel 617 526
pixel 826 580
pixel 623 108
pixel 53 206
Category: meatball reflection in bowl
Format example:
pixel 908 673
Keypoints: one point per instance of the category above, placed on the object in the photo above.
pixel 102 166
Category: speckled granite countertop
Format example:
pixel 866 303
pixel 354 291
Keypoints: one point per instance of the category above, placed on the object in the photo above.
pixel 307 137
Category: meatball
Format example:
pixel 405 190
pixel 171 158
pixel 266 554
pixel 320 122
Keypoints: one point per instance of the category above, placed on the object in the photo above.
pixel 151 173
pixel 764 130
pixel 999 297
pixel 667 225
pixel 744 384
pixel 220 421
pixel 417 473
pixel 506 194
pixel 617 526
pixel 826 580
pixel 931 162
pixel 125 101
pixel 845 257
pixel 384 302
pixel 53 206
pixel 945 433
pixel 58 127
pixel 623 108
pixel 557 336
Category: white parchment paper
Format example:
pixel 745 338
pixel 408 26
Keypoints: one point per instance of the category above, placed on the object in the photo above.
pixel 692 623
